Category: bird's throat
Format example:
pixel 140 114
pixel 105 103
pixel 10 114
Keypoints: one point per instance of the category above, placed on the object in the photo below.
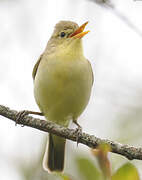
pixel 73 51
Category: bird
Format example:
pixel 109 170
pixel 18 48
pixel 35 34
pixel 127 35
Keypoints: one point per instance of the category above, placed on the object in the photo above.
pixel 63 80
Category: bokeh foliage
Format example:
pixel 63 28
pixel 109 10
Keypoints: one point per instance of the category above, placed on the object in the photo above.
pixel 86 169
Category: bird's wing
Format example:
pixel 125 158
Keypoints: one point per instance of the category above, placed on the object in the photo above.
pixel 91 71
pixel 36 67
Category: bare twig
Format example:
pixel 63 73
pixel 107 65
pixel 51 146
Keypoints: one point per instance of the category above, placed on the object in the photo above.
pixel 86 139
pixel 107 4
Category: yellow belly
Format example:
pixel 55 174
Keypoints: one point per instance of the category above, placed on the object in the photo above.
pixel 62 89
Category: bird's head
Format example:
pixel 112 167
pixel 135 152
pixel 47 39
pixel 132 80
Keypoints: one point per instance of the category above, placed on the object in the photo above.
pixel 67 36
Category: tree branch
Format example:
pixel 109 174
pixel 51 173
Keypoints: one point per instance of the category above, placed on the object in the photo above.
pixel 107 4
pixel 91 141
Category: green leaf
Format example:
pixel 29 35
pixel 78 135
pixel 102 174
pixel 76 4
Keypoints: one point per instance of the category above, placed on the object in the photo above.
pixel 65 177
pixel 126 172
pixel 87 169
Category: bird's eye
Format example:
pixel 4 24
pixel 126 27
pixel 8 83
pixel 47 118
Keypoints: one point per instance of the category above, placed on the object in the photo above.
pixel 62 34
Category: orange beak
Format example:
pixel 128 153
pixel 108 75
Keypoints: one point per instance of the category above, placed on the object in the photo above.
pixel 79 32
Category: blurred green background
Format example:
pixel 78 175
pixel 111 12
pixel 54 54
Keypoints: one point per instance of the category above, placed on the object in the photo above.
pixel 115 110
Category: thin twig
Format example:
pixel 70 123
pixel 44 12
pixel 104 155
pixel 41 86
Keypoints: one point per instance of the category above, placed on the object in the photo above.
pixel 107 4
pixel 91 141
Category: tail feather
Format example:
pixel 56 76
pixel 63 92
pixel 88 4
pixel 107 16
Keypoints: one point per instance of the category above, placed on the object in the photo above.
pixel 54 157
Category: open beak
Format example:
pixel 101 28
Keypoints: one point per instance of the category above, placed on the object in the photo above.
pixel 79 32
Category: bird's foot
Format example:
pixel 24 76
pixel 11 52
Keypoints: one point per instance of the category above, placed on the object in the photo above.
pixel 20 115
pixel 78 132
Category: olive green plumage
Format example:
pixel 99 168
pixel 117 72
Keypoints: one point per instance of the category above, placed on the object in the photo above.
pixel 63 80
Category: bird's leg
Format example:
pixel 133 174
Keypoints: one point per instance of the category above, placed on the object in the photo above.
pixel 20 115
pixel 78 130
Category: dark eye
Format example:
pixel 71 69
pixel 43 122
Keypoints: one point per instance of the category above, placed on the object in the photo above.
pixel 62 34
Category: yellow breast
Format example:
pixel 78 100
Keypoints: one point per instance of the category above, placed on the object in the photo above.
pixel 62 88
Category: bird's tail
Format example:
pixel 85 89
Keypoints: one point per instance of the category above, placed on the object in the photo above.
pixel 54 154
